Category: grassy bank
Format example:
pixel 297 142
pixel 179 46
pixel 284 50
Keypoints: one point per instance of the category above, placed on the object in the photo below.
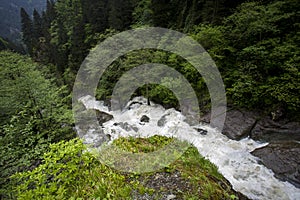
pixel 68 171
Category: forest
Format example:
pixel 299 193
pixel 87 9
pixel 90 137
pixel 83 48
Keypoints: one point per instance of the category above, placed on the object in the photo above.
pixel 255 45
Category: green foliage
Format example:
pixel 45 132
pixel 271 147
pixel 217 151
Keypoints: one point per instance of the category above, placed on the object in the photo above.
pixel 194 168
pixel 142 14
pixel 120 14
pixel 25 90
pixel 266 55
pixel 70 171
pixel 6 44
pixel 158 93
pixel 61 166
pixel 137 145
pixel 33 114
pixel 26 30
pixel 256 51
pixel 254 44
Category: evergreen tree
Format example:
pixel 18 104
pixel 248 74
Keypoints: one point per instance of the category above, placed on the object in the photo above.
pixel 50 12
pixel 161 13
pixel 48 16
pixel 38 39
pixel 59 41
pixel 95 13
pixel 142 14
pixel 78 50
pixel 120 14
pixel 27 28
pixel 37 25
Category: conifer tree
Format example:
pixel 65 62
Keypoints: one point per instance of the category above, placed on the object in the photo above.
pixel 48 16
pixel 96 14
pixel 37 25
pixel 27 28
pixel 120 14
pixel 161 13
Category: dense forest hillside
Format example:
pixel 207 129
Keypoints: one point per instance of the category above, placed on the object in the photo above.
pixel 255 45
pixel 10 24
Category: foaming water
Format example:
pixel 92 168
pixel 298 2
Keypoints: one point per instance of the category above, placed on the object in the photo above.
pixel 233 158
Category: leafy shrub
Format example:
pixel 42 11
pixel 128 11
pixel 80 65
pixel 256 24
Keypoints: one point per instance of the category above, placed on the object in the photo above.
pixel 70 171
pixel 34 112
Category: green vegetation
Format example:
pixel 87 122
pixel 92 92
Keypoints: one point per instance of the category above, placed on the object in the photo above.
pixel 33 114
pixel 6 44
pixel 144 145
pixel 69 171
pixel 10 26
pixel 255 45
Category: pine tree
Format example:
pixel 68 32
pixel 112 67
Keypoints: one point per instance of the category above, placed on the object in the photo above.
pixel 142 14
pixel 161 13
pixel 61 50
pixel 37 25
pixel 78 47
pixel 27 28
pixel 96 14
pixel 48 16
pixel 38 37
pixel 120 14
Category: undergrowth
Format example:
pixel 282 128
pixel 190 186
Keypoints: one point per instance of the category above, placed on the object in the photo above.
pixel 70 171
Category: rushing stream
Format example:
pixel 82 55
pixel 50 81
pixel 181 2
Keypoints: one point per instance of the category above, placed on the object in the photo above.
pixel 232 157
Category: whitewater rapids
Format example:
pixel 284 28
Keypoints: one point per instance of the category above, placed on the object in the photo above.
pixel 233 158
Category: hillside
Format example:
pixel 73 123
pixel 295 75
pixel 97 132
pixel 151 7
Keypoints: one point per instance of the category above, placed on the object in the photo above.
pixel 10 23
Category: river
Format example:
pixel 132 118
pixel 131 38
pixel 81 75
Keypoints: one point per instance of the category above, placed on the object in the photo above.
pixel 233 158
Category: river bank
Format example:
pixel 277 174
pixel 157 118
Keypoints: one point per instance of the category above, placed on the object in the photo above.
pixel 233 158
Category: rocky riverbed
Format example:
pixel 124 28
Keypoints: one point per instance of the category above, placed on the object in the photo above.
pixel 281 154
pixel 230 151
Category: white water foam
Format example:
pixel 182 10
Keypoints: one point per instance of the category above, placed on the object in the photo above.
pixel 233 158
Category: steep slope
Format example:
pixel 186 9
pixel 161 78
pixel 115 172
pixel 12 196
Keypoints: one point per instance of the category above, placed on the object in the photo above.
pixel 10 23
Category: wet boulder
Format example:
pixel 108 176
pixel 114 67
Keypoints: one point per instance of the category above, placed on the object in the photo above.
pixel 268 130
pixel 134 104
pixel 126 126
pixel 201 131
pixel 283 158
pixel 238 123
pixel 103 117
pixel 162 121
pixel 145 119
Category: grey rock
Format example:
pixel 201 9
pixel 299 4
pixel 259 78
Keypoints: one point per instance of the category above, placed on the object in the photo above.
pixel 238 124
pixel 283 158
pixel 268 130
pixel 126 126
pixel 201 131
pixel 103 117
pixel 162 121
pixel 145 118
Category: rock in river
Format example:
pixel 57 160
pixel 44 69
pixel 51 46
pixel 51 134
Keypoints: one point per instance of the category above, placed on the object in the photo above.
pixel 238 123
pixel 103 117
pixel 268 130
pixel 283 158
pixel 145 118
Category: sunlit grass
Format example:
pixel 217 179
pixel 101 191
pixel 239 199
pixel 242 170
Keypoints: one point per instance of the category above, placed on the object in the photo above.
pixel 70 172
